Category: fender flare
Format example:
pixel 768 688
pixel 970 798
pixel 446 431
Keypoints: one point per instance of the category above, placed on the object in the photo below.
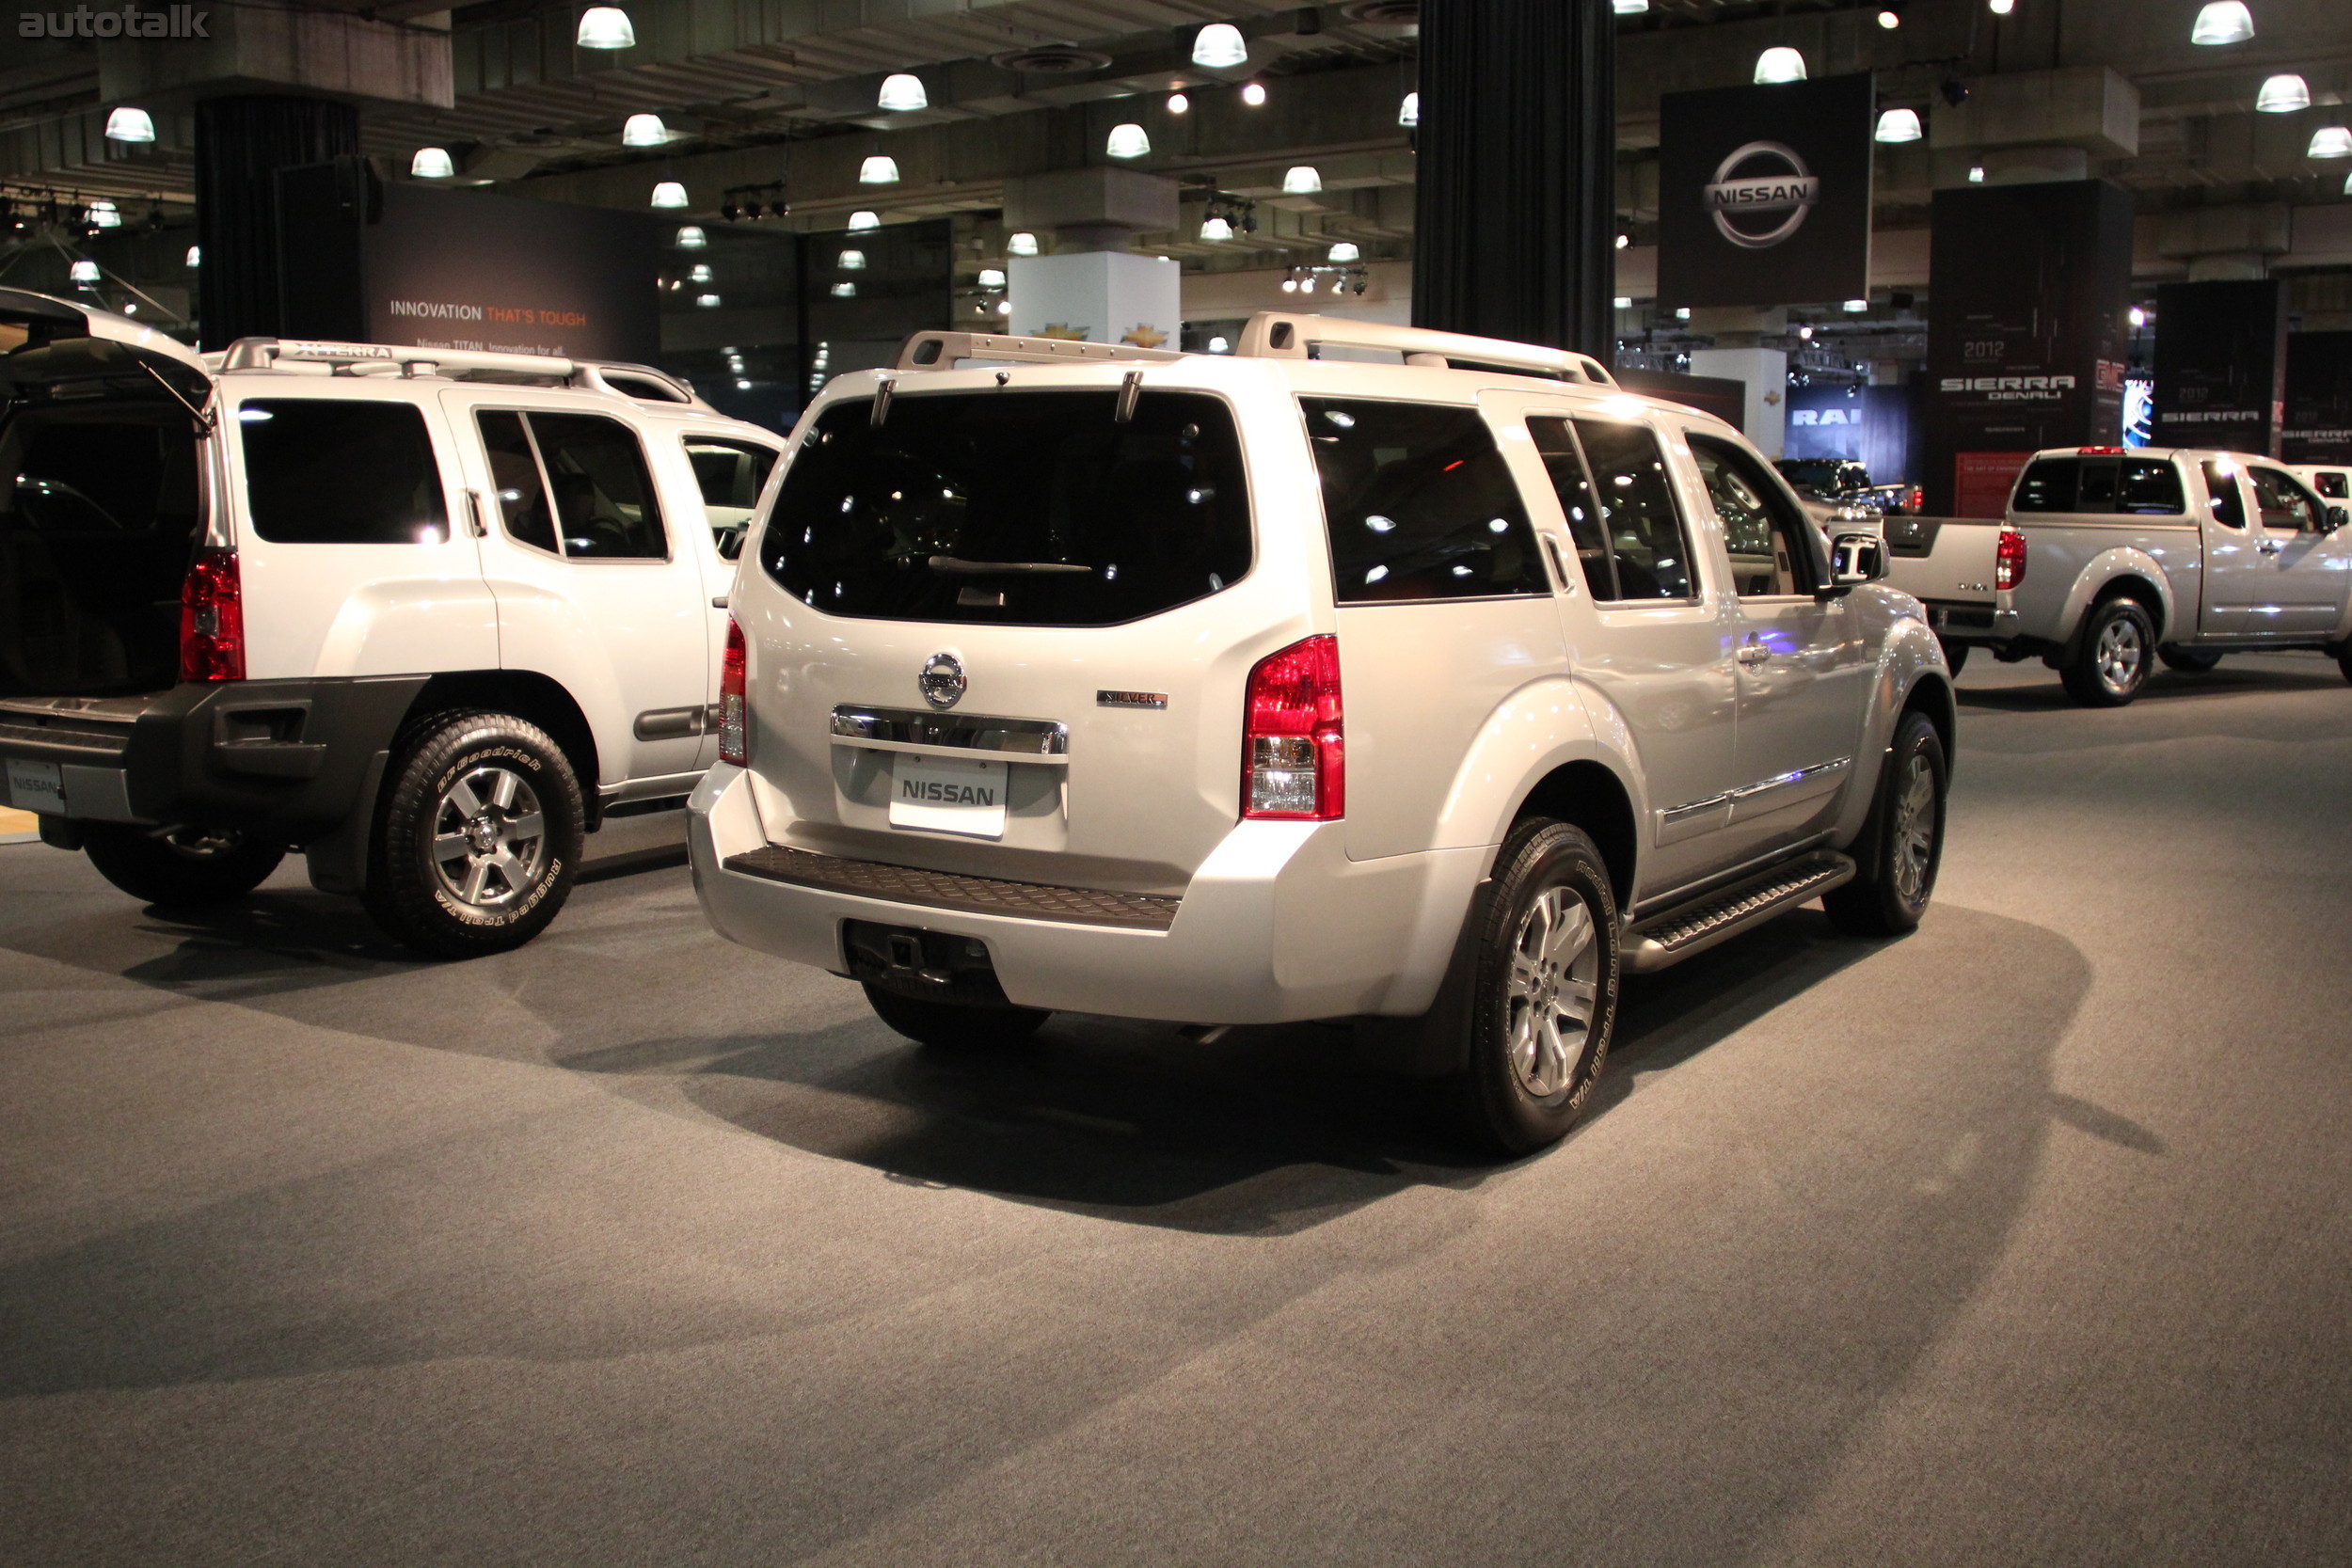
pixel 1531 735
pixel 2123 560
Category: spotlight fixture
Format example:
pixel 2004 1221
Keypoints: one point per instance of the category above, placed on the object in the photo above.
pixel 1623 302
pixel 669 193
pixel 2283 94
pixel 1253 95
pixel 1216 228
pixel 1898 125
pixel 605 27
pixel 1629 7
pixel 1976 174
pixel 1178 103
pixel 2223 22
pixel 1346 250
pixel 700 272
pixel 1219 345
pixel 84 273
pixel 862 221
pixel 127 124
pixel 845 291
pixel 1004 307
pixel 1779 64
pixel 1023 244
pixel 1127 141
pixel 104 214
pixel 1219 47
pixel 707 302
pixel 691 238
pixel 644 131
pixel 991 278
pixel 1805 334
pixel 877 170
pixel 2329 142
pixel 851 260
pixel 902 92
pixel 1890 17
pixel 1855 307
pixel 2001 7
pixel 742 386
pixel 1623 239
pixel 1953 91
pixel 196 256
pixel 1408 112
pixel 431 163
pixel 1302 179
pixel 2139 318
pixel 1290 283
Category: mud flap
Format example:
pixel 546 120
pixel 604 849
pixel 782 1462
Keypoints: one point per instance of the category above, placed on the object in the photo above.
pixel 1435 1044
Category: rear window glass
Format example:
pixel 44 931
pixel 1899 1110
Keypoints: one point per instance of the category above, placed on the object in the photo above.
pixel 1013 508
pixel 340 471
pixel 2089 485
pixel 2332 485
pixel 1418 503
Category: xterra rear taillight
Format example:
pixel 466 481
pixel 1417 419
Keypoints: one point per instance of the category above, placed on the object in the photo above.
pixel 734 719
pixel 1918 501
pixel 2009 559
pixel 211 619
pixel 1294 758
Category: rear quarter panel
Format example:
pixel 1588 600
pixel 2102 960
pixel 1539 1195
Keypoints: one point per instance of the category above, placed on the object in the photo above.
pixel 2069 559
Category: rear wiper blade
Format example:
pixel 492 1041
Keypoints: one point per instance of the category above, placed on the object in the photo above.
pixel 989 568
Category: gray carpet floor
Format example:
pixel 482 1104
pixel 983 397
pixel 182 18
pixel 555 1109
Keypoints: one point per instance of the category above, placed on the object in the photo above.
pixel 2023 1240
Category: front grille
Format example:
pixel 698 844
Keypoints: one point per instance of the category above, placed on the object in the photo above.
pixel 943 890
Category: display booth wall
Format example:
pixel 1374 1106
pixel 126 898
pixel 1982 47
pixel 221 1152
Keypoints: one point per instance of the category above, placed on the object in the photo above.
pixel 2221 365
pixel 2318 398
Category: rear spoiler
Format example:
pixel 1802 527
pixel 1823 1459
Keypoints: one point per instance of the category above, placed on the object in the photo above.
pixel 50 343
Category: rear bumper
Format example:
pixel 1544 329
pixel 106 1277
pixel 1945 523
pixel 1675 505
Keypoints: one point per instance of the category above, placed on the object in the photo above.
pixel 1963 621
pixel 1277 924
pixel 284 759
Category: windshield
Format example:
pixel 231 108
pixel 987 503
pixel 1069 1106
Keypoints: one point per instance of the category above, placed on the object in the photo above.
pixel 1013 508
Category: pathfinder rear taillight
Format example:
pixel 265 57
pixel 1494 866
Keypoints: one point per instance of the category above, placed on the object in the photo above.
pixel 211 619
pixel 1919 498
pixel 2009 559
pixel 734 732
pixel 1294 756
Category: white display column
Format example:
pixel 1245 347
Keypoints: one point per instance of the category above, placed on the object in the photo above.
pixel 1102 296
pixel 1765 370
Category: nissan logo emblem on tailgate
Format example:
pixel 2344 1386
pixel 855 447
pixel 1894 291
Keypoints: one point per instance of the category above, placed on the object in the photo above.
pixel 942 680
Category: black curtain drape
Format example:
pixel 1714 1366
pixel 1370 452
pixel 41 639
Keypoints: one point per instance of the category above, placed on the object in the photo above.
pixel 241 144
pixel 1515 213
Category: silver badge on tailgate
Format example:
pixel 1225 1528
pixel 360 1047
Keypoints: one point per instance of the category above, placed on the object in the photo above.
pixel 942 680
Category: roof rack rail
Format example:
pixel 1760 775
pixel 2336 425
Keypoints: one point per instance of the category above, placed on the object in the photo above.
pixel 1280 334
pixel 602 375
pixel 938 351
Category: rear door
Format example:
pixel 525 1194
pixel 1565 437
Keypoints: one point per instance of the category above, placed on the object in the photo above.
pixel 2301 566
pixel 728 471
pixel 354 554
pixel 597 581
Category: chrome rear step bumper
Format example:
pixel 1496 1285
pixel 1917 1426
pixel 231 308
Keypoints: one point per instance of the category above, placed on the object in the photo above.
pixel 943 890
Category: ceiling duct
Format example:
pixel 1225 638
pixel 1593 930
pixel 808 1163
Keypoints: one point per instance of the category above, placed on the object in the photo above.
pixel 1051 60
pixel 1384 13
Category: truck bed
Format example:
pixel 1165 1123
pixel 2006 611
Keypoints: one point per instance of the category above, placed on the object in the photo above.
pixel 1946 564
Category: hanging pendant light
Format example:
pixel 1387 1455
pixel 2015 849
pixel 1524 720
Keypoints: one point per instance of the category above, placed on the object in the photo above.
pixel 701 273
pixel 851 260
pixel 104 214
pixel 1898 125
pixel 2329 142
pixel 129 124
pixel 861 221
pixel 196 256
pixel 1127 141
pixel 707 302
pixel 1302 179
pixel 1023 244
pixel 878 169
pixel 1408 112
pixel 1216 228
pixel 644 131
pixel 84 273
pixel 669 193
pixel 692 238
pixel 902 92
pixel 2001 7
pixel 1778 64
pixel 1629 7
pixel 431 163
pixel 605 27
pixel 991 278
pixel 1345 250
pixel 1219 47
pixel 2223 22
pixel 845 291
pixel 2283 94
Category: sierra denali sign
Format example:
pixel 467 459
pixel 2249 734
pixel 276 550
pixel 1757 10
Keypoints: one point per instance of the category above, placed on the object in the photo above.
pixel 1764 194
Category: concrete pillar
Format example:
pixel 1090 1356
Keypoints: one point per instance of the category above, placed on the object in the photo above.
pixel 241 144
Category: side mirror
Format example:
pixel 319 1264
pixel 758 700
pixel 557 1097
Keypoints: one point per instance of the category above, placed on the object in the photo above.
pixel 2337 518
pixel 1854 558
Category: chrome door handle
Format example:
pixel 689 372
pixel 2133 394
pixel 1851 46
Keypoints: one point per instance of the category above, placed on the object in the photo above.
pixel 1753 654
pixel 478 510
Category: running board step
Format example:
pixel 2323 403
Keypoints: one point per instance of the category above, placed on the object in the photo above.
pixel 1700 924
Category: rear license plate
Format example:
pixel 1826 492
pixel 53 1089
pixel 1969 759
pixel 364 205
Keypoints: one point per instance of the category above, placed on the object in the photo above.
pixel 947 795
pixel 36 786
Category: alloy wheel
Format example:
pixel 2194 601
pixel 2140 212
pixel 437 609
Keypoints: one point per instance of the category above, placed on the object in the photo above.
pixel 1915 830
pixel 489 838
pixel 1553 993
pixel 2120 656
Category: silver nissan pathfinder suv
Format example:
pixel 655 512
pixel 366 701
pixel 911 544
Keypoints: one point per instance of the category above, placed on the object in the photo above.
pixel 1437 694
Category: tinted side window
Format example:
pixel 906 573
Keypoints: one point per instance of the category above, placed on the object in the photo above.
pixel 604 496
pixel 1565 463
pixel 1637 511
pixel 2285 507
pixel 2221 488
pixel 2048 486
pixel 2150 485
pixel 514 470
pixel 1765 534
pixel 340 471
pixel 1419 503
pixel 730 475
pixel 2332 485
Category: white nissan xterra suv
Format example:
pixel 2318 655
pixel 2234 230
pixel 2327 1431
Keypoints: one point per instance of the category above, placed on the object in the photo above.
pixel 424 616
pixel 1246 689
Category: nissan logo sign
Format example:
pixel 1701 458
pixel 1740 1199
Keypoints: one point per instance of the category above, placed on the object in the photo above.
pixel 942 681
pixel 1778 182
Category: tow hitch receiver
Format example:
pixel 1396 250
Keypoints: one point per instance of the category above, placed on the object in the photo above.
pixel 937 966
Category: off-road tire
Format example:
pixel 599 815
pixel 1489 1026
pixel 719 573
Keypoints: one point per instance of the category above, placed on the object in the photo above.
pixel 1955 654
pixel 1523 1086
pixel 2111 665
pixel 954 1025
pixel 179 867
pixel 2343 660
pixel 417 887
pixel 2188 661
pixel 1902 841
